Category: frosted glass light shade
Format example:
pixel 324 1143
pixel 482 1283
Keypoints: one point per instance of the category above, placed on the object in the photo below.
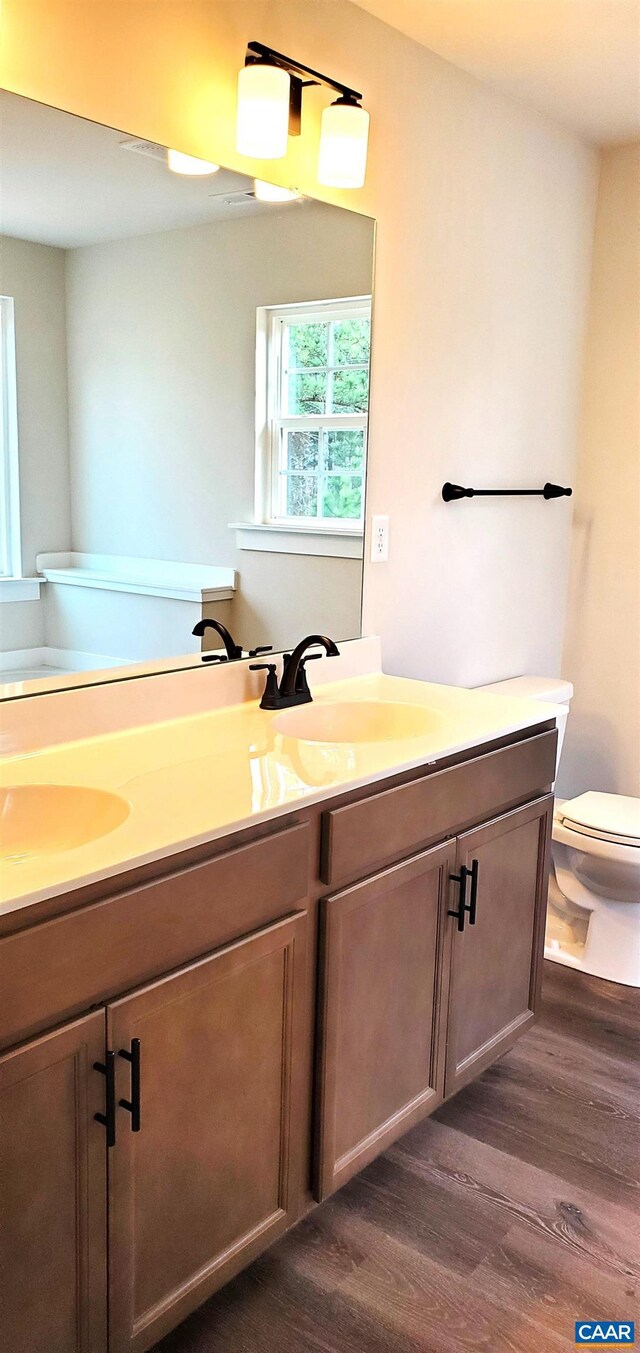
pixel 263 111
pixel 344 134
pixel 271 192
pixel 180 163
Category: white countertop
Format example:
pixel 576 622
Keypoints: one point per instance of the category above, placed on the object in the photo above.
pixel 192 780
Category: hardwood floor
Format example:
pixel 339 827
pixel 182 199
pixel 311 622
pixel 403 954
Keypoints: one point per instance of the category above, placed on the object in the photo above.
pixel 494 1225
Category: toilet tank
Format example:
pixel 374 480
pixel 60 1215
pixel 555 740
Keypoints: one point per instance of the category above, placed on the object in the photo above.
pixel 552 689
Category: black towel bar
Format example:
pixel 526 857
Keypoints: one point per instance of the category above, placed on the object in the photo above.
pixel 452 491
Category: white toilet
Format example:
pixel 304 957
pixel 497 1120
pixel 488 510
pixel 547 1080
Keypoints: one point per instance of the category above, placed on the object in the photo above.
pixel 593 917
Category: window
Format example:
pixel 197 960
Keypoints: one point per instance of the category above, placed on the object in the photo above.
pixel 313 400
pixel 10 561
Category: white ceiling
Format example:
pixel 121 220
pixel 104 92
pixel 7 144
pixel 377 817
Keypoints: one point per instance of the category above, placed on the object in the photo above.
pixel 578 60
pixel 68 182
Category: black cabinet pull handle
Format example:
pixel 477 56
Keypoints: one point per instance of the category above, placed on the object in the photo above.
pixel 133 1105
pixel 108 1118
pixel 466 908
pixel 460 878
pixel 473 900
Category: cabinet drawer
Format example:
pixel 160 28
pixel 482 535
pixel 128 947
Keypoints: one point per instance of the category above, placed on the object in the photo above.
pixel 362 836
pixel 67 964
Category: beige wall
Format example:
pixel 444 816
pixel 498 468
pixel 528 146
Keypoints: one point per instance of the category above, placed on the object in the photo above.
pixel 484 215
pixel 283 596
pixel 34 275
pixel 602 648
pixel 22 624
pixel 161 351
pixel 159 332
pixel 162 371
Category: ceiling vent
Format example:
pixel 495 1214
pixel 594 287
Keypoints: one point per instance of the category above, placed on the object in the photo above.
pixel 240 198
pixel 246 198
pixel 149 148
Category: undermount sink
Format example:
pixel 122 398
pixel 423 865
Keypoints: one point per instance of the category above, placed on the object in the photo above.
pixel 357 721
pixel 46 819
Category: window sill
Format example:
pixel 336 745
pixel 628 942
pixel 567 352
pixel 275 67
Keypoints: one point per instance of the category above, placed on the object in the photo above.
pixel 20 589
pixel 284 539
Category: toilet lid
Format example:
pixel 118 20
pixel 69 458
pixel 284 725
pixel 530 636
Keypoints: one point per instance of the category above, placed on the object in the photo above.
pixel 608 817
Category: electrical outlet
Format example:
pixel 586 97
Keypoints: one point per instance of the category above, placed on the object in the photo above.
pixel 379 539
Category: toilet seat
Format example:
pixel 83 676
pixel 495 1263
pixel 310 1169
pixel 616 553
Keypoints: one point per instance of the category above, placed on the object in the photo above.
pixel 592 924
pixel 613 818
pixel 595 835
pixel 600 847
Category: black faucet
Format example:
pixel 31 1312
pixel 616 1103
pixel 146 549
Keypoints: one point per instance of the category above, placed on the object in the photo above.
pixel 233 649
pixel 293 688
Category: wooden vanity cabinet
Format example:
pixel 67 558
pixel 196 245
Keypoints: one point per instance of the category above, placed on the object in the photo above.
pixel 495 967
pixel 53 1171
pixel 417 997
pixel 380 956
pixel 205 1166
pixel 214 1173
pixel 276 1011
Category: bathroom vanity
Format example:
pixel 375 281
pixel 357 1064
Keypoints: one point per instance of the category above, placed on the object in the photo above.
pixel 200 1047
pixel 242 949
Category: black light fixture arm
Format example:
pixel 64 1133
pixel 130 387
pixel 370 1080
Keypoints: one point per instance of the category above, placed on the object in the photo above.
pixel 257 51
pixel 452 491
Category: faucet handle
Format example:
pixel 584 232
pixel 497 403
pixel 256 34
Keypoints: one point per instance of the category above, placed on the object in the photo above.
pixel 286 659
pixel 302 685
pixel 262 648
pixel 270 694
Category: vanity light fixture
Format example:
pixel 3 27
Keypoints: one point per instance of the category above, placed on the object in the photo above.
pixel 271 192
pixel 264 97
pixel 270 109
pixel 344 136
pixel 179 163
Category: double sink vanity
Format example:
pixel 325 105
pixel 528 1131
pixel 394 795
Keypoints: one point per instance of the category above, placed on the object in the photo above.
pixel 247 938
pixel 241 952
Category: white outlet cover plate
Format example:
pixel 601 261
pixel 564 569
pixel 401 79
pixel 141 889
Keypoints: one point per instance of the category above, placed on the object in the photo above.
pixel 379 539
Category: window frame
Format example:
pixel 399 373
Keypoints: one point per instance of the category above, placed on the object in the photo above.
pixel 271 422
pixel 10 534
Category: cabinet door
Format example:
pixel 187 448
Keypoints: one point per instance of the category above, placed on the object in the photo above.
pixel 53 1193
pixel 496 961
pixel 212 1176
pixel 378 1068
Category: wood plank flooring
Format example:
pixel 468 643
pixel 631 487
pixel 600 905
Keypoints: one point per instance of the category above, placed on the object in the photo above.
pixel 493 1226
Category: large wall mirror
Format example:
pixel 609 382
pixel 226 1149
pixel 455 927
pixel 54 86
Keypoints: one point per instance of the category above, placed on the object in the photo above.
pixel 185 391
